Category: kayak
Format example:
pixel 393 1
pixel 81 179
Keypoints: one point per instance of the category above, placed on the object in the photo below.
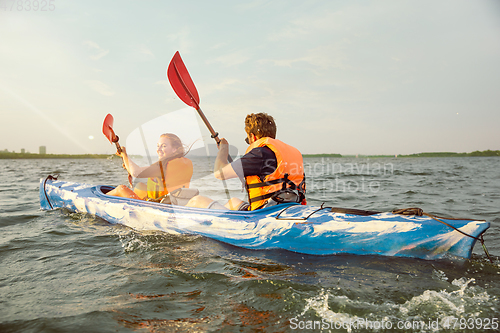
pixel 315 230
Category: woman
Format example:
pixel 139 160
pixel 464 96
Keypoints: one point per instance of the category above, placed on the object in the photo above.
pixel 172 171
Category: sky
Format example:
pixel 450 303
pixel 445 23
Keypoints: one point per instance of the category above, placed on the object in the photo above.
pixel 348 77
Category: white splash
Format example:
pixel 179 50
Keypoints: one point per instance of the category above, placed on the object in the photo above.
pixel 429 308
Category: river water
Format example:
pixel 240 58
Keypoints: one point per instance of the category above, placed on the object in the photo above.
pixel 66 272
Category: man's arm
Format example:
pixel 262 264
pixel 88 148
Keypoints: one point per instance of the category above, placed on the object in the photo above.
pixel 222 168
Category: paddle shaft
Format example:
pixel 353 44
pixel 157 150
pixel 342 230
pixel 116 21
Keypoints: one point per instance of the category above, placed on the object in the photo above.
pixel 118 148
pixel 117 145
pixel 213 133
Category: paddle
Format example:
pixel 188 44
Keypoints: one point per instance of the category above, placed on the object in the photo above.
pixel 107 130
pixel 184 87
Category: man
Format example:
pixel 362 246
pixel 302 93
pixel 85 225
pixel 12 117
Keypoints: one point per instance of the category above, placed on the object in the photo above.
pixel 273 171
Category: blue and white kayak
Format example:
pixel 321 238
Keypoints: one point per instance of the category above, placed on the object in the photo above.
pixel 293 227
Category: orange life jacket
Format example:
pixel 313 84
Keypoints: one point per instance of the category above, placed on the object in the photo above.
pixel 289 174
pixel 178 173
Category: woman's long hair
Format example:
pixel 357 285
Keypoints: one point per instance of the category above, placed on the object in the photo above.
pixel 181 150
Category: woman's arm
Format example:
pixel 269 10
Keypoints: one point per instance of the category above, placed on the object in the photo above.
pixel 130 165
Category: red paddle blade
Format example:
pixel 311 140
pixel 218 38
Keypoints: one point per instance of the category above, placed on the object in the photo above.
pixel 181 82
pixel 107 129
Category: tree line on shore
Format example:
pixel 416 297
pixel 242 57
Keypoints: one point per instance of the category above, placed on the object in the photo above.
pixel 14 155
pixel 432 154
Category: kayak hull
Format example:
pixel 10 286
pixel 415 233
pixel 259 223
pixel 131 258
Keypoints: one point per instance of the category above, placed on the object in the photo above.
pixel 293 227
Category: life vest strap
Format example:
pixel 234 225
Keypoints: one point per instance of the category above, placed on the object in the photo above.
pixel 163 176
pixel 291 185
pixel 283 180
pixel 275 196
pixel 268 183
pixel 261 197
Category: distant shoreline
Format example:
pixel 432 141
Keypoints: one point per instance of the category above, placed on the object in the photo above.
pixel 485 153
pixel 11 155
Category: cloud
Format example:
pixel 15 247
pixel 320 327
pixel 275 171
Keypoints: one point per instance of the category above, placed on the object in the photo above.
pixel 250 5
pixel 232 59
pixel 218 46
pixel 145 51
pixel 99 51
pixel 223 85
pixel 164 83
pixel 99 87
pixel 180 40
pixel 322 57
pixel 311 26
pixel 140 53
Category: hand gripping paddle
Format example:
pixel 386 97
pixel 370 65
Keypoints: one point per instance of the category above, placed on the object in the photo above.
pixel 107 130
